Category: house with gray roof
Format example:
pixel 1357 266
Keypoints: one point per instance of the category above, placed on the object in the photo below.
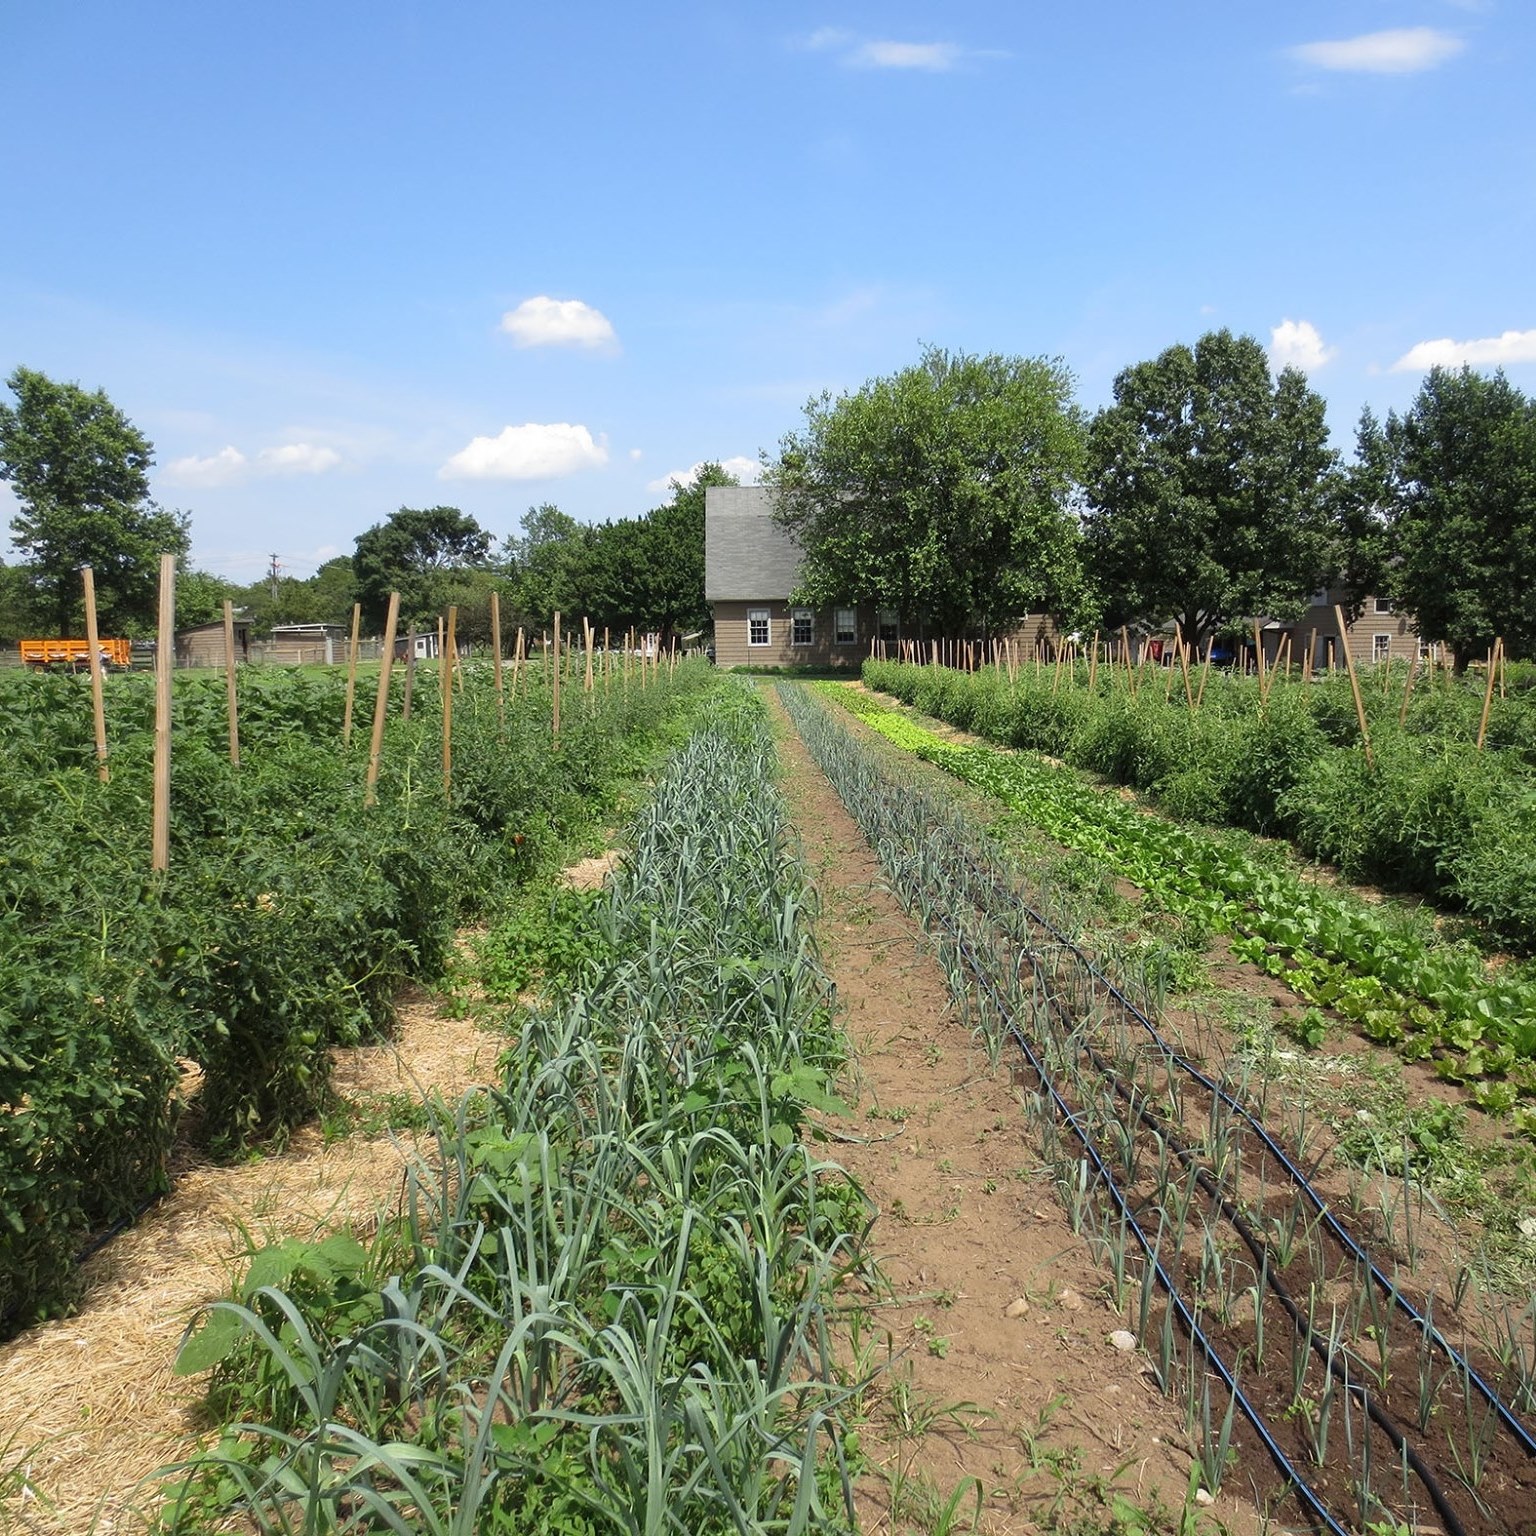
pixel 751 566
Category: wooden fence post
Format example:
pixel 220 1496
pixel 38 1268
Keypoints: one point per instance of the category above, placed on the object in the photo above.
pixel 231 688
pixel 346 719
pixel 448 657
pixel 160 849
pixel 381 700
pixel 1354 685
pixel 98 703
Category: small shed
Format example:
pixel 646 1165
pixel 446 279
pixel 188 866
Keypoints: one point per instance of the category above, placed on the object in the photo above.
pixel 203 644
pixel 300 644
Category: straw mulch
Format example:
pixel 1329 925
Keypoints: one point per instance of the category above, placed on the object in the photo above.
pixel 92 1397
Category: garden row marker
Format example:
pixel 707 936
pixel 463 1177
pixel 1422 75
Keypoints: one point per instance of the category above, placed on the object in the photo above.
pixel 93 644
pixel 554 717
pixel 381 699
pixel 1495 653
pixel 1354 685
pixel 231 692
pixel 501 703
pixel 160 845
pixel 346 718
pixel 447 660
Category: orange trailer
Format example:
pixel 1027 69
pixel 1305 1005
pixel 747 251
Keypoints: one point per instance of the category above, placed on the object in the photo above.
pixel 74 654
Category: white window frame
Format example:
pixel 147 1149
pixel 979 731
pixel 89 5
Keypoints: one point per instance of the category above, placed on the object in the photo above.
pixel 1381 646
pixel 763 616
pixel 799 617
pixel 845 622
pixel 1382 604
pixel 1319 599
pixel 888 619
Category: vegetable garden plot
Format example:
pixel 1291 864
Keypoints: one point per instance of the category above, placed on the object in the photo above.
pixel 1428 1001
pixel 606 1306
pixel 1426 812
pixel 289 916
pixel 1352 1394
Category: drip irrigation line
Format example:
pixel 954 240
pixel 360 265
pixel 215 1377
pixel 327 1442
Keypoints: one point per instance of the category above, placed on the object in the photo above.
pixel 1339 1233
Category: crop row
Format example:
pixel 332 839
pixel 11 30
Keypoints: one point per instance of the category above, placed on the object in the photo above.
pixel 1428 813
pixel 605 1305
pixel 288 918
pixel 1427 1000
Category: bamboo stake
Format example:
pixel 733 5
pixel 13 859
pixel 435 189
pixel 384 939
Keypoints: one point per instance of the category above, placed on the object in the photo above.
pixel 1205 671
pixel 160 849
pixel 1306 661
pixel 1354 685
pixel 554 718
pixel 410 670
pixel 93 644
pixel 449 657
pixel 1189 692
pixel 1258 661
pixel 231 692
pixel 381 699
pixel 587 633
pixel 1494 652
pixel 501 703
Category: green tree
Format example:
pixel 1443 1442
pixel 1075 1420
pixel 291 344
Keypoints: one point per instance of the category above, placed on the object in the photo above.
pixel 942 492
pixel 80 470
pixel 1462 512
pixel 419 553
pixel 548 564
pixel 1211 489
pixel 673 556
pixel 200 597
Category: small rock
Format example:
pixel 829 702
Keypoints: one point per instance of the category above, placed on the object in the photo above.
pixel 1123 1339
pixel 1071 1301
pixel 1042 1215
pixel 1202 1496
pixel 1018 1307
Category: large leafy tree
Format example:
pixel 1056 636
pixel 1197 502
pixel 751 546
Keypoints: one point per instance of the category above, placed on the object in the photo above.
pixel 942 491
pixel 673 556
pixel 548 564
pixel 1212 492
pixel 80 470
pixel 1462 512
pixel 421 553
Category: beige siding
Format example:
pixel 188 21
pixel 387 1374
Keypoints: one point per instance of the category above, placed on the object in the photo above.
pixel 732 648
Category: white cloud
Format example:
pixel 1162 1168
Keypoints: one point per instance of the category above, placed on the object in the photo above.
pixel 216 469
pixel 1400 51
pixel 636 454
pixel 1488 351
pixel 938 58
pixel 533 451
pixel 746 470
pixel 299 459
pixel 827 37
pixel 547 322
pixel 1297 344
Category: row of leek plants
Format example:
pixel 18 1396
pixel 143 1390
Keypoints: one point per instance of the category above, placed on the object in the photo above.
pixel 1366 964
pixel 606 1306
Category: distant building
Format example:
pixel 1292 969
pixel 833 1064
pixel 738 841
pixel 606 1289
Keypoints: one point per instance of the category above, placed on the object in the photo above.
pixel 203 644
pixel 298 645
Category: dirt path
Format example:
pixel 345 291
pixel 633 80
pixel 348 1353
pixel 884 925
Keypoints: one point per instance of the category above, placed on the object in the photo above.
pixel 93 1394
pixel 1008 1376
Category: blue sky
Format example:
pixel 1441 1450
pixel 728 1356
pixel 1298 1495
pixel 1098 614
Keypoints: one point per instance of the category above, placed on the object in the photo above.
pixel 338 258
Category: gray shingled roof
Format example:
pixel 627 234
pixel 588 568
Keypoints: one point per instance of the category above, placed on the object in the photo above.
pixel 745 555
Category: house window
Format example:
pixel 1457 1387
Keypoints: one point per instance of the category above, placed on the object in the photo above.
pixel 847 626
pixel 1383 605
pixel 888 626
pixel 1381 646
pixel 1319 599
pixel 758 628
pixel 802 627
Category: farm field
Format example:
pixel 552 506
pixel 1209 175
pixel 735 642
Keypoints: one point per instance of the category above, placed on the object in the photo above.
pixel 731 1248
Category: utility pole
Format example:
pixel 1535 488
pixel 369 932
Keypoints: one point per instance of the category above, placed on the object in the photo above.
pixel 273 575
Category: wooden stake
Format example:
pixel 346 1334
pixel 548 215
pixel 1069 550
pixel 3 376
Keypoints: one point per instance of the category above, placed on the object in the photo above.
pixel 587 631
pixel 1125 647
pixel 1258 661
pixel 1306 661
pixel 160 849
pixel 554 718
pixel 1402 714
pixel 1354 685
pixel 447 659
pixel 517 660
pixel 231 692
pixel 1494 652
pixel 1205 671
pixel 1189 692
pixel 501 703
pixel 346 719
pixel 410 670
pixel 98 703
pixel 381 698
